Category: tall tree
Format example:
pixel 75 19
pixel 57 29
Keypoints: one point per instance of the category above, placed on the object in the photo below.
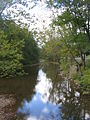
pixel 80 12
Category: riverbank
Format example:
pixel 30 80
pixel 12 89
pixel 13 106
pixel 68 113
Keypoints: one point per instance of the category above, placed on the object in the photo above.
pixel 7 111
pixel 84 80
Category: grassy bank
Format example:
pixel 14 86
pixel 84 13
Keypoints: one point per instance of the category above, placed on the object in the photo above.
pixel 84 80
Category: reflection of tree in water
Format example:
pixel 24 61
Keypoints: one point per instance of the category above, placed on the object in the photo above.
pixel 65 92
pixel 75 108
pixel 21 87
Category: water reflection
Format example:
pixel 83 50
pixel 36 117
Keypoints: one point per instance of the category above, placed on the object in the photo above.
pixel 75 106
pixel 40 108
pixel 16 89
pixel 45 95
pixel 55 98
pixel 65 94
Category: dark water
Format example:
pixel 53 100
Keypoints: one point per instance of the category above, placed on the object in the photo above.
pixel 45 95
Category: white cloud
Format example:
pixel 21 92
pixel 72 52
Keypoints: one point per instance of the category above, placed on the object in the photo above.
pixel 35 15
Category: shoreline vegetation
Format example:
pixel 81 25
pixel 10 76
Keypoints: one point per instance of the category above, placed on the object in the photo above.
pixel 17 48
pixel 82 82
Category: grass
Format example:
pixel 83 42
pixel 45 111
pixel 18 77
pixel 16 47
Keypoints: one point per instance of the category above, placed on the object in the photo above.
pixel 84 80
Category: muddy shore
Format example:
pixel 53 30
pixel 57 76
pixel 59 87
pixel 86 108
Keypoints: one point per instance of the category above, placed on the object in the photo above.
pixel 7 107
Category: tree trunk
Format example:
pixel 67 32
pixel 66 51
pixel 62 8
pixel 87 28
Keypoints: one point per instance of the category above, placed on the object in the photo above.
pixel 82 55
pixel 84 61
pixel 88 22
pixel 79 69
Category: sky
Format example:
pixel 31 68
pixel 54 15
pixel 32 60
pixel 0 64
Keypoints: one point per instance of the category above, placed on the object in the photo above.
pixel 36 15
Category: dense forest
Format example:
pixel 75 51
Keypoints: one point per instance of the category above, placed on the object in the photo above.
pixel 17 49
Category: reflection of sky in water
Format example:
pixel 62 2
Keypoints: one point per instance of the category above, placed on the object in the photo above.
pixel 43 86
pixel 39 108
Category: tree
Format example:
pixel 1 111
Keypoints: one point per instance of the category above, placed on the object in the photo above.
pixel 80 12
pixel 17 48
pixel 50 47
pixel 6 3
pixel 74 29
pixel 10 56
pixel 31 49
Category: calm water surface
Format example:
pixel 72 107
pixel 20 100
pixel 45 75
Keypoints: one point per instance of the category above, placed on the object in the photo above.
pixel 45 95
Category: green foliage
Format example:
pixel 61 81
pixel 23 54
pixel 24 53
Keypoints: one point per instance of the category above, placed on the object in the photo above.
pixel 51 50
pixel 74 35
pixel 10 56
pixel 65 65
pixel 84 81
pixel 31 50
pixel 17 48
pixel 74 30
